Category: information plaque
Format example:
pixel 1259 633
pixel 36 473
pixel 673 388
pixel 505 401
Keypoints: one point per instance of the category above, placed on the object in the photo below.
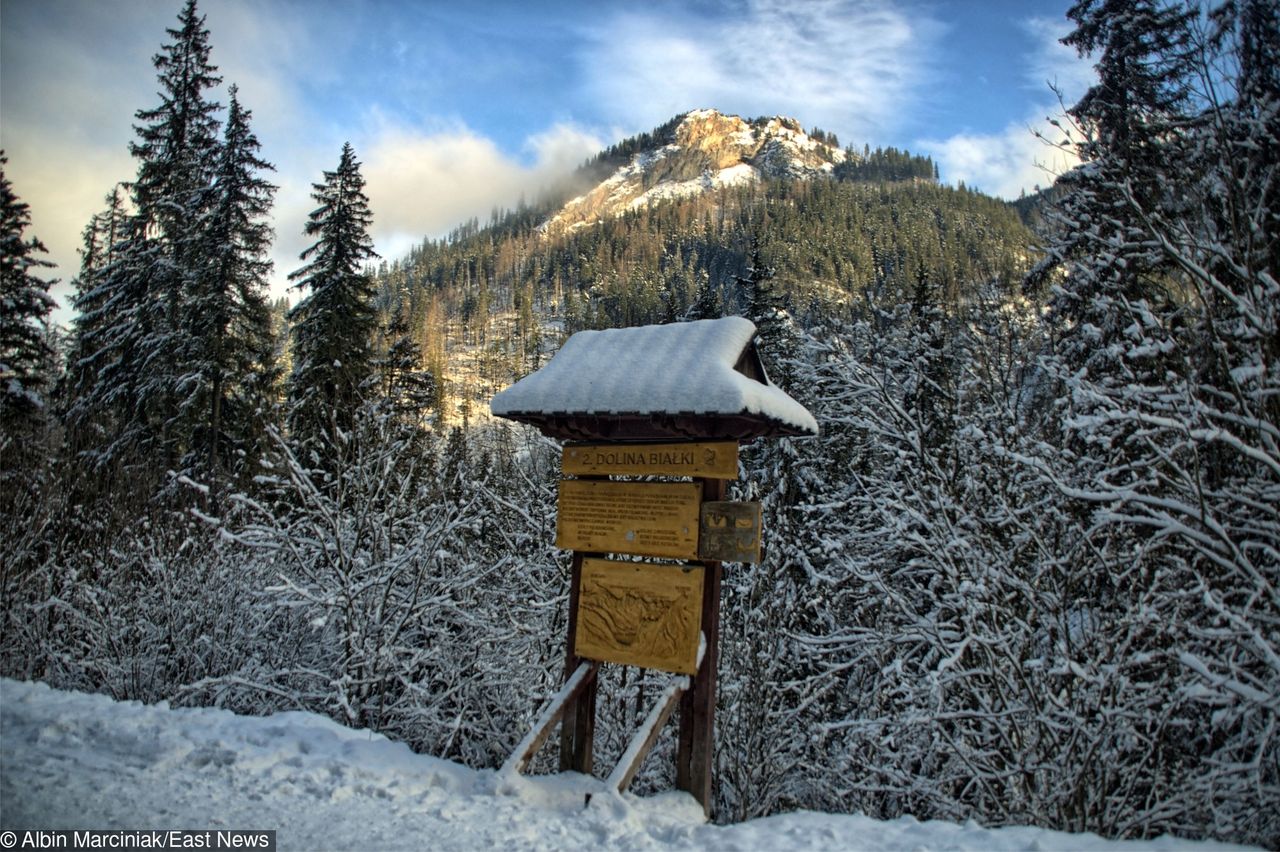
pixel 639 518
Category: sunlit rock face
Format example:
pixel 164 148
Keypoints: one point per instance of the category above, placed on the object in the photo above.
pixel 711 150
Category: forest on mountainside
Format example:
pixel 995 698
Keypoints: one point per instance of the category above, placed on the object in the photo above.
pixel 1028 574
pixel 837 247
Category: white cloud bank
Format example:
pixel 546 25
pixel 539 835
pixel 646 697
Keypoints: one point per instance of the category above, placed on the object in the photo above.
pixel 422 184
pixel 1030 153
pixel 1019 159
pixel 425 183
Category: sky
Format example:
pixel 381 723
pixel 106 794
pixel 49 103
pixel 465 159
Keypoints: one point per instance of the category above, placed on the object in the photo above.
pixel 455 108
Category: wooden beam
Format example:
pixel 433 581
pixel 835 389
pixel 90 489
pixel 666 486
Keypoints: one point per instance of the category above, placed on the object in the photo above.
pixel 552 713
pixel 642 742
pixel 584 730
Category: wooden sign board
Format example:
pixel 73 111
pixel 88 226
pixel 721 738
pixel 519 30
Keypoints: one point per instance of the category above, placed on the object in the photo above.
pixel 640 518
pixel 730 532
pixel 710 460
pixel 640 614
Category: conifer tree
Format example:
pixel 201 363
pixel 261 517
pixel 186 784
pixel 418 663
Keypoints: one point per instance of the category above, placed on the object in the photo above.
pixel 99 245
pixel 1166 322
pixel 707 303
pixel 226 322
pixel 764 305
pixel 1126 119
pixel 24 310
pixel 177 150
pixel 333 325
pixel 406 387
pixel 137 345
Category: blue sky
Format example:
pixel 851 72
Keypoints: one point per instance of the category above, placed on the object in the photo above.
pixel 455 107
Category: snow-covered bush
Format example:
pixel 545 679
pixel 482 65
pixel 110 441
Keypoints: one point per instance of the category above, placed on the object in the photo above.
pixel 418 587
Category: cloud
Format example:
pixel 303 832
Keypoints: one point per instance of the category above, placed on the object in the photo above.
pixel 1004 164
pixel 68 123
pixel 67 116
pixel 423 184
pixel 63 184
pixel 257 48
pixel 426 184
pixel 1030 153
pixel 851 66
pixel 74 74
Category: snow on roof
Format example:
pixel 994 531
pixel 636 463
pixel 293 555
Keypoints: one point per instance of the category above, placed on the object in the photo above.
pixel 677 369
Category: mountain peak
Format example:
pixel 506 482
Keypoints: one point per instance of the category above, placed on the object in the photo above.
pixel 701 151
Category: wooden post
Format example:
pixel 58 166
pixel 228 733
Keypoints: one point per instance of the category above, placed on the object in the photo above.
pixel 578 727
pixel 695 751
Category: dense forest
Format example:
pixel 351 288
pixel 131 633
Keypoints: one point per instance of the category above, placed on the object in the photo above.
pixel 1028 574
pixel 837 247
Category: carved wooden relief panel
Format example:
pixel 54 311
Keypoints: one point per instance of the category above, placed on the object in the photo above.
pixel 640 614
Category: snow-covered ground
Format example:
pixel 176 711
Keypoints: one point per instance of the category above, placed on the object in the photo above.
pixel 70 760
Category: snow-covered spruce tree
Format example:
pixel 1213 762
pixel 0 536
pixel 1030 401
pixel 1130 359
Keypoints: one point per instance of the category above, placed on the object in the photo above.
pixel 1209 435
pixel 407 388
pixel 43 538
pixel 1166 319
pixel 226 322
pixel 97 251
pixel 25 304
pixel 1126 119
pixel 26 377
pixel 333 325
pixel 135 341
pixel 1112 316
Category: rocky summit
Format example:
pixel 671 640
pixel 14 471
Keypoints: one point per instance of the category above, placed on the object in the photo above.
pixel 704 151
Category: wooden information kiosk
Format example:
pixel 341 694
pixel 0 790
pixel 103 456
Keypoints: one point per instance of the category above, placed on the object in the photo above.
pixel 668 404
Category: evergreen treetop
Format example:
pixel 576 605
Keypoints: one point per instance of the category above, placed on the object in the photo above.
pixel 140 385
pixel 226 321
pixel 24 309
pixel 176 137
pixel 333 326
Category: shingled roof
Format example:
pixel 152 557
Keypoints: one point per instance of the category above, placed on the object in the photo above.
pixel 692 380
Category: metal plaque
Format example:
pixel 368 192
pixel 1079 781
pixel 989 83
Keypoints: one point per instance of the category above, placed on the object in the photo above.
pixel 730 532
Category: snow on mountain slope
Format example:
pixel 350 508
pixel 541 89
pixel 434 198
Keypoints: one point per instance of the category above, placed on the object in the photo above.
pixel 711 150
pixel 70 760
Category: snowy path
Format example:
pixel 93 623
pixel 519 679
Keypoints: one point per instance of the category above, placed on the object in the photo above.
pixel 70 760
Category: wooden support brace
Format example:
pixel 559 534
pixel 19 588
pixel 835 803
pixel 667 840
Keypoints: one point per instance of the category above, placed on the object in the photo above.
pixel 642 742
pixel 584 676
